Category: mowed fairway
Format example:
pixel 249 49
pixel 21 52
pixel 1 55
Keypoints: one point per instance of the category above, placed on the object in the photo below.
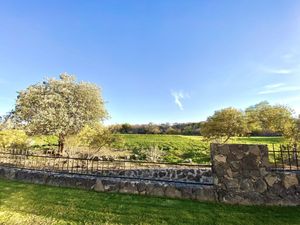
pixel 24 204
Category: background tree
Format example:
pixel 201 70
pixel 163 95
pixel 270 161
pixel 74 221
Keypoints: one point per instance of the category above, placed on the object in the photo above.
pixel 151 128
pixel 126 128
pixel 224 124
pixel 60 107
pixel 292 131
pixel 264 119
pixel 171 130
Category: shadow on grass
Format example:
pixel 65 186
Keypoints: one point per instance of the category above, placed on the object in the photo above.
pixel 88 207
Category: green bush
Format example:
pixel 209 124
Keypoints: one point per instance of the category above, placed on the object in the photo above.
pixel 14 139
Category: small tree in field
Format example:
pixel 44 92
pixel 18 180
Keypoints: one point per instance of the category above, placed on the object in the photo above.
pixel 60 107
pixel 224 124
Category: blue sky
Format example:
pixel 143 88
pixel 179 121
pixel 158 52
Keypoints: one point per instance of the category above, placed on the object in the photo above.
pixel 156 61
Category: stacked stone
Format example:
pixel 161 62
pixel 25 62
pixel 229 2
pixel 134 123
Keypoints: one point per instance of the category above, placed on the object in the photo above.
pixel 155 188
pixel 105 184
pixel 201 175
pixel 242 175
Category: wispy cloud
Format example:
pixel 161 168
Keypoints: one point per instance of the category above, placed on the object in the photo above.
pixel 282 71
pixel 285 64
pixel 178 97
pixel 272 86
pixel 279 87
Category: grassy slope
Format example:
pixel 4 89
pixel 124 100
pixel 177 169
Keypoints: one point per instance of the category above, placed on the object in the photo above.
pixel 183 147
pixel 24 204
pixel 179 141
pixel 176 147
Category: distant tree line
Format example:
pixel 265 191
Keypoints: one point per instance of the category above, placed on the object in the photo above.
pixel 262 119
pixel 151 128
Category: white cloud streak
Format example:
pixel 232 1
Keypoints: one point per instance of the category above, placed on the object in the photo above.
pixel 284 71
pixel 178 97
pixel 277 88
pixel 272 86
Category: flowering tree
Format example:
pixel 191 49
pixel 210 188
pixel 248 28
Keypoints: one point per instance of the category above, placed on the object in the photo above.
pixel 60 107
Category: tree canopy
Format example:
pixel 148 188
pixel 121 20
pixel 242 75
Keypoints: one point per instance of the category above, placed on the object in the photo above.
pixel 60 107
pixel 264 118
pixel 292 131
pixel 224 124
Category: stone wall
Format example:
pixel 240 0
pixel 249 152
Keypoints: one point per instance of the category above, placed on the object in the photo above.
pixel 105 184
pixel 198 175
pixel 242 175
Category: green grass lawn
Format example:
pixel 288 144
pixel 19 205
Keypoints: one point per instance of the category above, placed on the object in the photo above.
pixel 24 204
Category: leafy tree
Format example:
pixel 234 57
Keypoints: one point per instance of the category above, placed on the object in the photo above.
pixel 60 107
pixel 171 130
pixel 126 128
pixel 224 124
pixel 152 129
pixel 291 131
pixel 188 130
pixel 265 118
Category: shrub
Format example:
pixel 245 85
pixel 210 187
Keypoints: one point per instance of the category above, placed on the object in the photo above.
pixel 14 139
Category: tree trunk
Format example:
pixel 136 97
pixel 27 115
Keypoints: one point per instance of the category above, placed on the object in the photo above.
pixel 227 138
pixel 61 144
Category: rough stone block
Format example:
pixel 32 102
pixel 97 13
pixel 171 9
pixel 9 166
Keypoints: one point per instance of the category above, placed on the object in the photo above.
pixel 260 186
pixel 220 158
pixel 172 192
pixel 205 194
pixel 128 187
pixel 255 150
pixel 155 189
pixel 290 180
pixel 271 179
pixel 99 186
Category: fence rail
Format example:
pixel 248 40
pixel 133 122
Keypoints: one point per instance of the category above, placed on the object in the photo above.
pixel 114 168
pixel 286 158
